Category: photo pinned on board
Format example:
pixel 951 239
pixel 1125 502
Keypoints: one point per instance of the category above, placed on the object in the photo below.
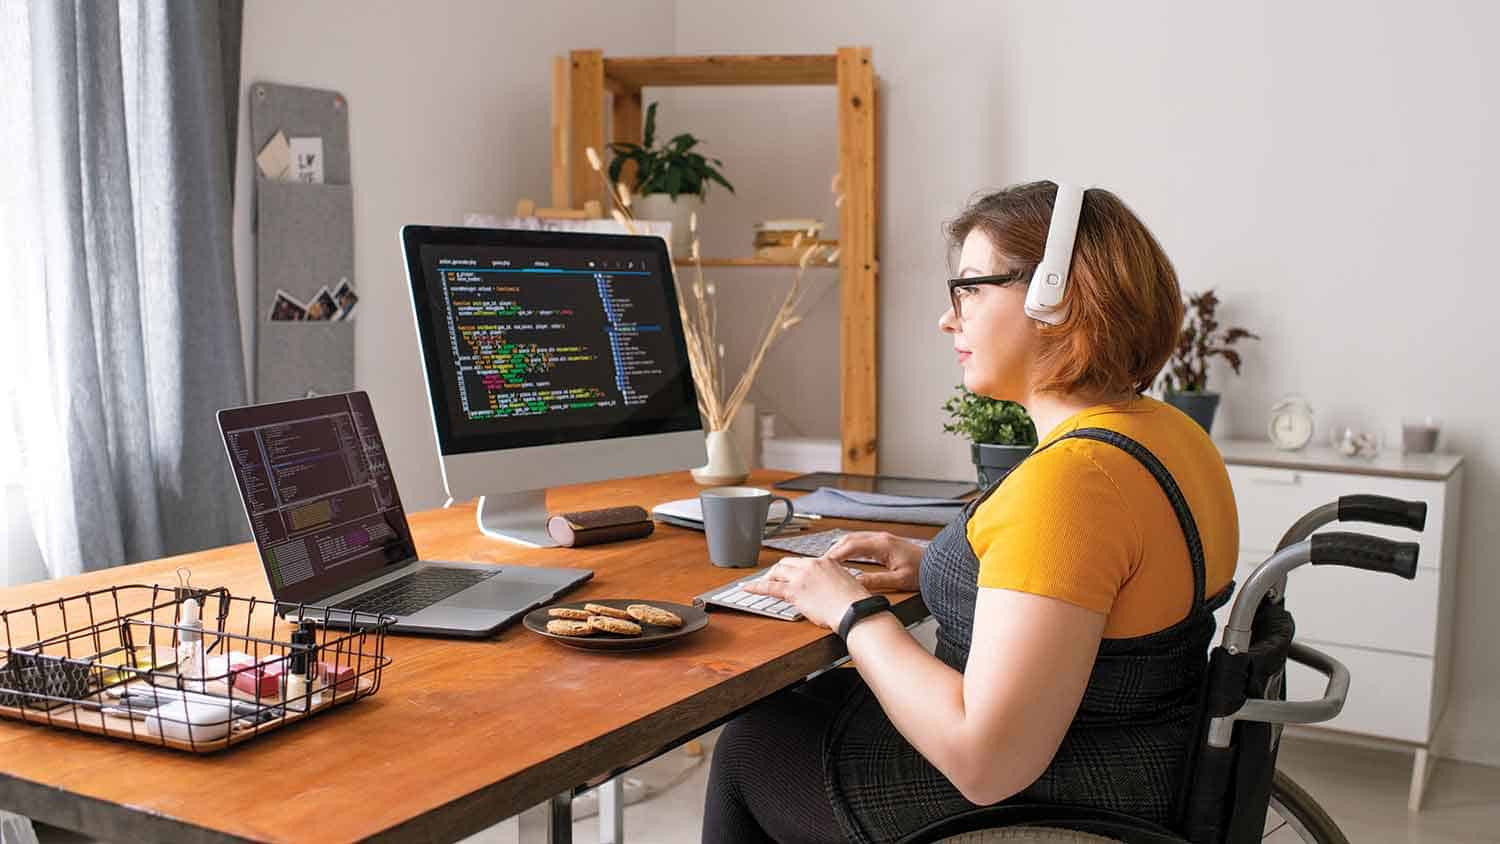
pixel 285 308
pixel 346 299
pixel 322 307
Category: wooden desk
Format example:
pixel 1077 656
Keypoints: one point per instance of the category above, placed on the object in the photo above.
pixel 462 734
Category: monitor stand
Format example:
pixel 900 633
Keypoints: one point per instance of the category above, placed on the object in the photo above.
pixel 519 517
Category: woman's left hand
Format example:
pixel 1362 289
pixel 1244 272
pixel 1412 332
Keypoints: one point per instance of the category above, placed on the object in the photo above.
pixel 819 587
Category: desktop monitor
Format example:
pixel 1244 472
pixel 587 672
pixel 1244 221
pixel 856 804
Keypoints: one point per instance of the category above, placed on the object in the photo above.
pixel 551 358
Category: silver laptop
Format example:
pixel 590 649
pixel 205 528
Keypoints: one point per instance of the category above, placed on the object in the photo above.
pixel 323 506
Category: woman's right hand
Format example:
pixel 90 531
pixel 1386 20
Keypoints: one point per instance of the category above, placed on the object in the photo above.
pixel 902 557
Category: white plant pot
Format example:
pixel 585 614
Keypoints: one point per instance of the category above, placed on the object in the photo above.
pixel 726 466
pixel 659 206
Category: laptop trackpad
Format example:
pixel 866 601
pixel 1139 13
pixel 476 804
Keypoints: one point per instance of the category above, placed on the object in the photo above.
pixel 499 593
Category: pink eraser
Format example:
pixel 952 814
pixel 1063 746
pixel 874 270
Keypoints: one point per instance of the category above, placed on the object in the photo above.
pixel 259 680
pixel 340 677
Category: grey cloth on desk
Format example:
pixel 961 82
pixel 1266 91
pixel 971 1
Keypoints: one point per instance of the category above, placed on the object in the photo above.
pixel 874 507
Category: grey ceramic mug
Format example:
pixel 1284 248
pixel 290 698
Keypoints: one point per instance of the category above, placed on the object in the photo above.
pixel 734 518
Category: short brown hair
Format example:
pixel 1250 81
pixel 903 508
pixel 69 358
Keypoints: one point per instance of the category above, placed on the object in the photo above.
pixel 1124 305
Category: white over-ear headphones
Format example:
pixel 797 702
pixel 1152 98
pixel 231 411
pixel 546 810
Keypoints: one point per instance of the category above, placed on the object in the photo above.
pixel 1050 281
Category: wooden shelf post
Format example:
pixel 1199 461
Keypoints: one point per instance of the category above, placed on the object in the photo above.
pixel 858 303
pixel 562 177
pixel 585 124
pixel 625 126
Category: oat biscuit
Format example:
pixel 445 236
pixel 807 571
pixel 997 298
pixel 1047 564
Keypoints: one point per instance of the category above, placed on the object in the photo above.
pixel 570 614
pixel 564 627
pixel 600 609
pixel 648 614
pixel 608 624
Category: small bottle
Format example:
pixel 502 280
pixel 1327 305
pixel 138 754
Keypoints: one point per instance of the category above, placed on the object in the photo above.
pixel 190 646
pixel 295 679
pixel 300 694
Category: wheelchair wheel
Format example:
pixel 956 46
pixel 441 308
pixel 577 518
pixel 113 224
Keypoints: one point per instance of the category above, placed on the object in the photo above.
pixel 1293 808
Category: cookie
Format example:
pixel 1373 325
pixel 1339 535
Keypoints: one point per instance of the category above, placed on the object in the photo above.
pixel 647 614
pixel 600 609
pixel 565 627
pixel 570 614
pixel 608 624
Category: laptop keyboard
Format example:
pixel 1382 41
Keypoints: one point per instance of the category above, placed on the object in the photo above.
pixel 416 591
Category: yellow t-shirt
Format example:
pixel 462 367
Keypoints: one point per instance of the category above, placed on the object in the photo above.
pixel 1084 522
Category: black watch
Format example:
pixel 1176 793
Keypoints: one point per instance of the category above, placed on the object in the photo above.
pixel 863 608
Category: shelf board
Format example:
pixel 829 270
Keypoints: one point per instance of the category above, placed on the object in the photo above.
pixel 628 73
pixel 753 262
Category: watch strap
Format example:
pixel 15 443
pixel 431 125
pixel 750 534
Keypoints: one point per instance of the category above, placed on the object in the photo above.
pixel 863 608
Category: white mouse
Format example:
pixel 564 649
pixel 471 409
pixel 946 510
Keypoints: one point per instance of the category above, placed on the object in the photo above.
pixel 209 721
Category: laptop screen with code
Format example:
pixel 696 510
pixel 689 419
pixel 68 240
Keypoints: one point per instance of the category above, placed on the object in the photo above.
pixel 318 492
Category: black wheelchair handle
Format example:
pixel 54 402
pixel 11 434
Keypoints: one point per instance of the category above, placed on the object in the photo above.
pixel 1381 510
pixel 1361 551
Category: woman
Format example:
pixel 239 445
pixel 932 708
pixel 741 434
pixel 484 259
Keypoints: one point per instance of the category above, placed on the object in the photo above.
pixel 1073 600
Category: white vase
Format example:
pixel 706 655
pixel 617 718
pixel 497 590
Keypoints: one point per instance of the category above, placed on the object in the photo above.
pixel 726 466
pixel 660 206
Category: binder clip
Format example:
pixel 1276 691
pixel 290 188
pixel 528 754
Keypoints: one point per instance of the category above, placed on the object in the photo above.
pixel 184 590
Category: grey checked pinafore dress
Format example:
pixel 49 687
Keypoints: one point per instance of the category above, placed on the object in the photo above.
pixel 1126 747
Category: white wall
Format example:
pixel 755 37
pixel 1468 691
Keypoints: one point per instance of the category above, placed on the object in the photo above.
pixel 479 69
pixel 1321 164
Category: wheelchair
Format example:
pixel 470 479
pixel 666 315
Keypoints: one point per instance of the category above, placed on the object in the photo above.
pixel 1232 792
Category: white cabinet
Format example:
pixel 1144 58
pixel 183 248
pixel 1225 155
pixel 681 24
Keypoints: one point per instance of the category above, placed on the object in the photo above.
pixel 1394 635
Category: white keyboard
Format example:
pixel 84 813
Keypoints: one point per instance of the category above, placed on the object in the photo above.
pixel 731 596
pixel 817 544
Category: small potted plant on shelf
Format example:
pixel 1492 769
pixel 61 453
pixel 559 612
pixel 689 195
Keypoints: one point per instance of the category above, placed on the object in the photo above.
pixel 1202 338
pixel 1001 432
pixel 670 181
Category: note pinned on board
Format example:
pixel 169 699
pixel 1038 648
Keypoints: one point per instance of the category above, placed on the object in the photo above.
pixel 307 160
pixel 275 158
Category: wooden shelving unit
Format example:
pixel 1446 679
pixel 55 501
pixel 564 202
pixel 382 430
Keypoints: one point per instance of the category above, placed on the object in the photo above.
pixel 586 84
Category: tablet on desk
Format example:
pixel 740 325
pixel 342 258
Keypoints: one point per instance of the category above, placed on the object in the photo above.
pixel 883 484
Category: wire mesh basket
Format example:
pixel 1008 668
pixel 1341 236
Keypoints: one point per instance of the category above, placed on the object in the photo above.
pixel 131 662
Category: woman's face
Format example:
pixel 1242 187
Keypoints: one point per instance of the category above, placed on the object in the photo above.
pixel 995 340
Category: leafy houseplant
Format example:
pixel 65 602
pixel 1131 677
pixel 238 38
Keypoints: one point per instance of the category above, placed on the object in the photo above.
pixel 1001 432
pixel 665 174
pixel 1202 338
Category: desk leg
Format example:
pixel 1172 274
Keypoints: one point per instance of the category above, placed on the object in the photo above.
pixel 548 823
pixel 612 811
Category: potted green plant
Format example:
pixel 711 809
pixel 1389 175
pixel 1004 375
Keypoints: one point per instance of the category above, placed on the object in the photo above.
pixel 1001 432
pixel 1202 338
pixel 670 180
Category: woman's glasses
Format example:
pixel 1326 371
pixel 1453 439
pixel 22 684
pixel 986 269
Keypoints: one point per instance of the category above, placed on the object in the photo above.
pixel 960 289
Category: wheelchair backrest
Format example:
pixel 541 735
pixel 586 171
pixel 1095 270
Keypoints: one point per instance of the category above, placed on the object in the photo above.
pixel 1226 791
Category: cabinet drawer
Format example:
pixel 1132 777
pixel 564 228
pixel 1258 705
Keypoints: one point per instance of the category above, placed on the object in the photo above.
pixel 1389 694
pixel 1270 500
pixel 1361 608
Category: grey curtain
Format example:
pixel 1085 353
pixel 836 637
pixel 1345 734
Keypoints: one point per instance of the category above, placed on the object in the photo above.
pixel 133 120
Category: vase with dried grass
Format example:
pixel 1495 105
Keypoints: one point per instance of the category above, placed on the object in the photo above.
pixel 698 306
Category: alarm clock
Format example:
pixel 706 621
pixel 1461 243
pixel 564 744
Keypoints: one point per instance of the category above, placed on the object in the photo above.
pixel 1291 425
